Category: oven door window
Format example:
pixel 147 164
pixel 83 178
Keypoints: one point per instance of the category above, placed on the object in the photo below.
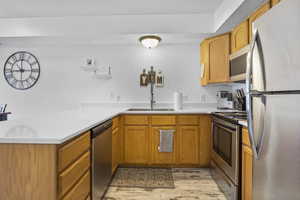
pixel 222 143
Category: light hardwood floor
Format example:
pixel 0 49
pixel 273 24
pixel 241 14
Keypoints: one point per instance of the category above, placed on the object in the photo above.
pixel 190 184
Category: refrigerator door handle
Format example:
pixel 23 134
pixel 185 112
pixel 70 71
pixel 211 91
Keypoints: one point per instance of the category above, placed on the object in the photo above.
pixel 254 93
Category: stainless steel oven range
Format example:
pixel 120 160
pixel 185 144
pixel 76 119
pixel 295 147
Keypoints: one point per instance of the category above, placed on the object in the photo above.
pixel 226 152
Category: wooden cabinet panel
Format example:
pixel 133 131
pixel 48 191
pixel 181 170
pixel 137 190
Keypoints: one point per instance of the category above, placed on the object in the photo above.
pixel 115 148
pixel 188 120
pixel 274 2
pixel 81 190
pixel 240 36
pixel 205 140
pixel 247 160
pixel 136 119
pixel 219 48
pixel 136 144
pixel 162 157
pixel 72 174
pixel 188 144
pixel 245 137
pixel 163 120
pixel 71 151
pixel 204 61
pixel 258 13
pixel 88 198
pixel 116 122
pixel 28 172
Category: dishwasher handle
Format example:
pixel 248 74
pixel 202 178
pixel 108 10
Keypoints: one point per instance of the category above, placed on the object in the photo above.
pixel 98 130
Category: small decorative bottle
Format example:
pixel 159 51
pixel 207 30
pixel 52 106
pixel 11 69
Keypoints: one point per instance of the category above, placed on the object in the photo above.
pixel 144 79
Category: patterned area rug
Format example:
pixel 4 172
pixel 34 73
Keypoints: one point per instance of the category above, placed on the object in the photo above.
pixel 149 178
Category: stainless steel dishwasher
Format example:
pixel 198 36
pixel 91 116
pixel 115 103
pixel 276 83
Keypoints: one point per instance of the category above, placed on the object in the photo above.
pixel 102 158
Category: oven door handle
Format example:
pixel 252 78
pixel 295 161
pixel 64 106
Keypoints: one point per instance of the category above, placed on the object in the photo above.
pixel 224 127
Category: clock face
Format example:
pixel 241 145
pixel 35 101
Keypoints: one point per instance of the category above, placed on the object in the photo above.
pixel 22 70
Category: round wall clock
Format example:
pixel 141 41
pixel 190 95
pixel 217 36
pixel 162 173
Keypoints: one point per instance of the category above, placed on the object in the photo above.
pixel 22 70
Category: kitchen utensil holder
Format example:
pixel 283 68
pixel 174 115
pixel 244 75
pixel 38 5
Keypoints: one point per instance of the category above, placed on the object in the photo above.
pixel 3 116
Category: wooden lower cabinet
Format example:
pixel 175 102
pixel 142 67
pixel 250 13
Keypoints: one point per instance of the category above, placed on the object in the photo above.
pixel 188 144
pixel 246 173
pixel 162 157
pixel 247 166
pixel 136 144
pixel 115 149
pixel 205 141
pixel 46 171
pixel 191 141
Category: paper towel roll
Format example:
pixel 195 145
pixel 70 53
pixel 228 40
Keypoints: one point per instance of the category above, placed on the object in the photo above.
pixel 178 100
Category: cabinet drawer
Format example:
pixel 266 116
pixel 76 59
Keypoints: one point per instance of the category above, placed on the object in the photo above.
pixel 136 120
pixel 81 190
pixel 69 177
pixel 245 137
pixel 163 120
pixel 115 123
pixel 188 120
pixel 68 153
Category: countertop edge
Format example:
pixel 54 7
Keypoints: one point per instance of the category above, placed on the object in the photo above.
pixel 90 126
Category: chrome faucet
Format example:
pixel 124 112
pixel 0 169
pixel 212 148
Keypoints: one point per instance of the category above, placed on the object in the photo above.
pixel 152 101
pixel 151 76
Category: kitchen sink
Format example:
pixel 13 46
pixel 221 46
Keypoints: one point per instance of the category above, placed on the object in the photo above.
pixel 148 109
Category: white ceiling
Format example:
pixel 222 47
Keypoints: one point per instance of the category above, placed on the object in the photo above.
pixel 117 21
pixel 55 8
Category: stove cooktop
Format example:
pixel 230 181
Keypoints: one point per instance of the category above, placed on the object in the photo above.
pixel 236 116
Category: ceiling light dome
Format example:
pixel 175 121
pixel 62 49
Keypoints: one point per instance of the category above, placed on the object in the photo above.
pixel 150 41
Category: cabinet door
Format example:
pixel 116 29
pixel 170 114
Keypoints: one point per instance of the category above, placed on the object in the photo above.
pixel 136 144
pixel 162 157
pixel 204 61
pixel 262 10
pixel 274 2
pixel 205 140
pixel 188 144
pixel 246 173
pixel 219 59
pixel 115 150
pixel 240 36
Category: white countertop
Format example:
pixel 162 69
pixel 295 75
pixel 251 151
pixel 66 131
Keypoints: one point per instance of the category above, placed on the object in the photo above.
pixel 58 127
pixel 243 123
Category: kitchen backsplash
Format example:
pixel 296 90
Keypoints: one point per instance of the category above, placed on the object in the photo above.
pixel 64 85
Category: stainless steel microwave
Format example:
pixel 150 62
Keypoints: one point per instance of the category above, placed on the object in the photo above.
pixel 238 64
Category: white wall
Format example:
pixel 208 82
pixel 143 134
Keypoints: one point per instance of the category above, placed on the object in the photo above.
pixel 64 85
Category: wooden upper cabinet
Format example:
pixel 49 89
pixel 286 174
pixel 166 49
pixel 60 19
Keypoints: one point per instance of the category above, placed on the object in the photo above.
pixel 274 2
pixel 136 144
pixel 188 144
pixel 258 13
pixel 204 61
pixel 240 36
pixel 219 48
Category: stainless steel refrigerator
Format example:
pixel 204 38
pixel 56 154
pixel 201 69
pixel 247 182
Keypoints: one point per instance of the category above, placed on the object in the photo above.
pixel 273 103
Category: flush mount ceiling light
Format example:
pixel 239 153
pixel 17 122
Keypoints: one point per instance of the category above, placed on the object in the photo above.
pixel 150 41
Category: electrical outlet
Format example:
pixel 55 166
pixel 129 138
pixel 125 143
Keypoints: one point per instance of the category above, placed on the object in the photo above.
pixel 203 98
pixel 111 95
pixel 118 98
